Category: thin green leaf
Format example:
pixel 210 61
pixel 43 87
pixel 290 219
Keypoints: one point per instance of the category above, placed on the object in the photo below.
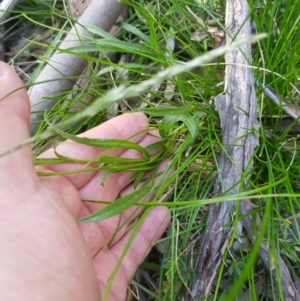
pixel 104 143
pixel 43 161
pixel 161 111
pixel 135 31
pixel 112 46
pixel 65 159
pixel 127 167
pixel 106 69
pixel 138 178
pixel 118 206
pixel 120 160
pixel 156 145
pixel 100 32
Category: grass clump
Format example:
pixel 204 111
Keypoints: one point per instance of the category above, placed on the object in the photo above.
pixel 158 35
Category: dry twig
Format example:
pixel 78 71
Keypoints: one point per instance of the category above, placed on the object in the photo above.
pixel 238 140
pixel 54 78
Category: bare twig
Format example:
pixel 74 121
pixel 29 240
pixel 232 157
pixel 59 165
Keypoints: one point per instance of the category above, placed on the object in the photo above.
pixel 280 101
pixel 5 7
pixel 54 78
pixel 290 289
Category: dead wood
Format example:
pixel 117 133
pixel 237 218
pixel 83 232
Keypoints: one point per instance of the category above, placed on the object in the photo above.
pixel 290 289
pixel 6 6
pixel 291 109
pixel 53 79
pixel 237 110
pixel 78 7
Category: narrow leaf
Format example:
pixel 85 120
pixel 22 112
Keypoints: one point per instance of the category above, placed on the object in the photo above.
pixel 104 143
pixel 135 31
pixel 161 111
pixel 100 32
pixel 118 206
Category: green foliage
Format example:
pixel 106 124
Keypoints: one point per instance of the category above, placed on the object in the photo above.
pixel 188 123
pixel 118 206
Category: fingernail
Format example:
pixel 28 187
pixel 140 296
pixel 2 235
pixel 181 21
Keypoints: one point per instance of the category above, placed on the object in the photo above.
pixel 1 71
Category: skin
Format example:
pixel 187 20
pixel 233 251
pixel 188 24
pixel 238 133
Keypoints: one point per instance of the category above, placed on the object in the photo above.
pixel 44 253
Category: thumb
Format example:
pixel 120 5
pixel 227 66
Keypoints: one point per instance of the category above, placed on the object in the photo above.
pixel 14 119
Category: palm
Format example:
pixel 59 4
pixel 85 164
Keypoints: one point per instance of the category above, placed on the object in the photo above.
pixel 38 216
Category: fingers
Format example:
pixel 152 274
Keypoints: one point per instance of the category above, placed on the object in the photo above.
pixel 151 230
pixel 113 186
pixel 121 127
pixel 14 129
pixel 114 182
pixel 98 235
pixel 116 226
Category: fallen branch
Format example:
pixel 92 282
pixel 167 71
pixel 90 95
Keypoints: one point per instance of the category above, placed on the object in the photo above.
pixel 5 8
pixel 290 290
pixel 237 110
pixel 54 78
pixel 287 106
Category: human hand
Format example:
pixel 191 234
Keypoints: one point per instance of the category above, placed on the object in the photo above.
pixel 44 253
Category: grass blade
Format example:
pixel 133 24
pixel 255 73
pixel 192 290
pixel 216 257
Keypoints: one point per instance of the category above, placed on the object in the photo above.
pixel 117 207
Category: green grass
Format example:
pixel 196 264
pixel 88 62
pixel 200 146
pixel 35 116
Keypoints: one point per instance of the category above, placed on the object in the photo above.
pixel 190 129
